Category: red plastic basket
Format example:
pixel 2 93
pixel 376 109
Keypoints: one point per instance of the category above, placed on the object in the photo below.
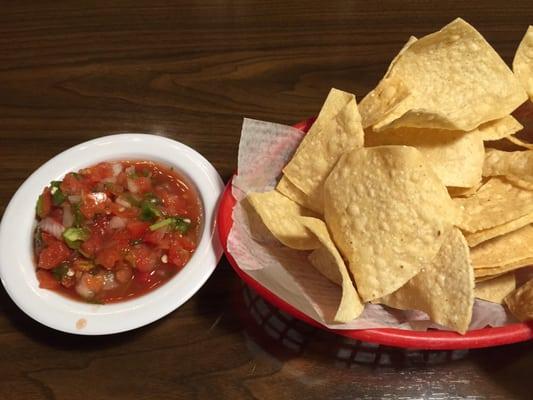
pixel 432 339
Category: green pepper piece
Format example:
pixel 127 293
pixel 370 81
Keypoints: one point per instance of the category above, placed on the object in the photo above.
pixel 177 223
pixel 60 271
pixel 148 211
pixel 78 216
pixel 39 206
pixel 75 236
pixel 58 196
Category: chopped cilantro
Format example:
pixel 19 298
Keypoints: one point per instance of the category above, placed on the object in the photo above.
pixel 60 271
pixel 177 223
pixel 58 196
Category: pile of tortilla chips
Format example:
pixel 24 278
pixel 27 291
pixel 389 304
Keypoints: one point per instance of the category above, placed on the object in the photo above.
pixel 400 201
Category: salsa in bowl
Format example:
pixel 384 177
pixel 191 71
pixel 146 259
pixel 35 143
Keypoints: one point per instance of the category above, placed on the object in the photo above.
pixel 122 234
pixel 115 230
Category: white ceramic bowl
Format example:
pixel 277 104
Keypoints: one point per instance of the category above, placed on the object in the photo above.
pixel 17 268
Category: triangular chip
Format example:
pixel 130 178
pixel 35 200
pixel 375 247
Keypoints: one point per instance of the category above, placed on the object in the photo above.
pixel 464 192
pixel 517 164
pixel 336 130
pixel 292 226
pixel 495 290
pixel 478 237
pixel 280 215
pixel 519 142
pixel 500 128
pixel 523 62
pixel 388 213
pixel 456 81
pixel 288 189
pixel 456 157
pixel 444 289
pixel 511 248
pixel 520 302
pixel 328 261
pixel 495 203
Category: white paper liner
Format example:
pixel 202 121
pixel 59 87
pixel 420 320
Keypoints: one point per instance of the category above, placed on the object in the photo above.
pixel 264 149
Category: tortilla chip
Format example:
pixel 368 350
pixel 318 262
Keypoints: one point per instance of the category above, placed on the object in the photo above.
pixel 281 216
pixel 387 96
pixel 480 279
pixel 456 81
pixel 520 302
pixel 495 203
pixel 388 213
pixel 444 289
pixel 505 249
pixel 328 261
pixel 523 62
pixel 464 192
pixel 456 157
pixel 500 128
pixel 476 238
pixel 518 164
pixel 519 142
pixel 336 130
pixel 495 290
pixel 286 187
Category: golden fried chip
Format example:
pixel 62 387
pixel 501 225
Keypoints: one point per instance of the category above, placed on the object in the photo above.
pixel 388 213
pixel 456 81
pixel 495 290
pixel 476 238
pixel 327 260
pixel 500 128
pixel 523 62
pixel 444 289
pixel 456 157
pixel 503 250
pixel 281 216
pixel 520 302
pixel 336 130
pixel 495 203
pixel 286 188
pixel 464 192
pixel 519 142
pixel 518 164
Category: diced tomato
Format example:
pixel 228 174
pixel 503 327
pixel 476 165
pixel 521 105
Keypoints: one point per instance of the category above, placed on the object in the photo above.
pixel 178 256
pixel 94 283
pixel 108 257
pixel 94 203
pixel 96 240
pixel 54 254
pixel 124 212
pixel 123 274
pixel 144 184
pixel 98 172
pixel 44 205
pixel 173 204
pixel 72 185
pixel 113 188
pixel 144 258
pixel 158 238
pixel 137 228
pixel 142 277
pixel 47 280
pixel 183 242
pixel 57 214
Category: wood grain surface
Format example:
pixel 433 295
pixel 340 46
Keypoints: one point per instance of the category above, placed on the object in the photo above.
pixel 191 70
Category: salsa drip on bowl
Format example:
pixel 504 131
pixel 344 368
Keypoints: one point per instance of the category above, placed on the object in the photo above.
pixel 115 230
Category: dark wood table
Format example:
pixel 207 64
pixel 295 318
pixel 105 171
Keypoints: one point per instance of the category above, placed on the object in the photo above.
pixel 191 70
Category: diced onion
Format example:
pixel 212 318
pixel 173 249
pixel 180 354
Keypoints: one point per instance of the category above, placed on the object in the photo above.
pixel 75 198
pixel 52 227
pixel 83 290
pixel 109 281
pixel 68 217
pixel 130 170
pixel 132 186
pixel 117 168
pixel 121 202
pixel 117 223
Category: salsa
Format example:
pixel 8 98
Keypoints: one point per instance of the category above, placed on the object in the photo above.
pixel 115 230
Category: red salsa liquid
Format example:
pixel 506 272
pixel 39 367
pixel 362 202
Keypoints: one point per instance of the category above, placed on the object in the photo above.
pixel 115 230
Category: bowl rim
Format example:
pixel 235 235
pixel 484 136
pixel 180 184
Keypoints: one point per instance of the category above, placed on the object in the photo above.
pixel 428 340
pixel 68 315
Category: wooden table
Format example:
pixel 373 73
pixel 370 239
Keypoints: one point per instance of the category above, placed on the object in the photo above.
pixel 191 71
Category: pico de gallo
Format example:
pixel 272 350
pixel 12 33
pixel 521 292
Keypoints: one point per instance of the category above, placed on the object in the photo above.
pixel 115 230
